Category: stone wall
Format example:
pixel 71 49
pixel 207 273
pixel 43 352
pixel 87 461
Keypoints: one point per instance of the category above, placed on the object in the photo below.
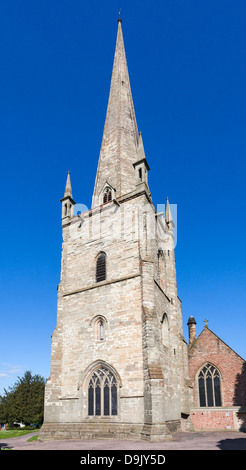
pixel 152 373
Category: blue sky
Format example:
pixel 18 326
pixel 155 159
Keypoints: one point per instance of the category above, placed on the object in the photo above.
pixel 187 66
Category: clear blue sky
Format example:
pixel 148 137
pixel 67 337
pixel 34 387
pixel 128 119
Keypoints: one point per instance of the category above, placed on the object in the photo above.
pixel 187 65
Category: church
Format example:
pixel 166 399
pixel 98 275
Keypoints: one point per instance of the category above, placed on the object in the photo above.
pixel 218 379
pixel 120 365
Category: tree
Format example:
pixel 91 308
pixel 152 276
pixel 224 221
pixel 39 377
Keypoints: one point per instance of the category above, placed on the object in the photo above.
pixel 24 402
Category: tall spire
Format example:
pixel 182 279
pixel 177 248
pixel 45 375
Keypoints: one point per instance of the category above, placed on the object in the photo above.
pixel 119 149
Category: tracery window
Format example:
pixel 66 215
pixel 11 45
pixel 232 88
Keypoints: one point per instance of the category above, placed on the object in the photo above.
pixel 102 393
pixel 209 384
pixel 107 197
pixel 101 267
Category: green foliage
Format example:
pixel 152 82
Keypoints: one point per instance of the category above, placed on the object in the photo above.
pixel 24 402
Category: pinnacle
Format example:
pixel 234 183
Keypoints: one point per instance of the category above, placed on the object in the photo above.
pixel 168 215
pixel 68 189
pixel 141 146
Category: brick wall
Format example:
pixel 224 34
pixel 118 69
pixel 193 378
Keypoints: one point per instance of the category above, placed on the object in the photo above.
pixel 213 419
pixel 208 347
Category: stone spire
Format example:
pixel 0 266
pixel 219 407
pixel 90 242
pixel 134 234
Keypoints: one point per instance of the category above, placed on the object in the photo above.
pixel 119 149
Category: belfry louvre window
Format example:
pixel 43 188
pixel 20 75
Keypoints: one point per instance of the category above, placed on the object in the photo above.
pixel 102 393
pixel 101 267
pixel 209 386
pixel 107 197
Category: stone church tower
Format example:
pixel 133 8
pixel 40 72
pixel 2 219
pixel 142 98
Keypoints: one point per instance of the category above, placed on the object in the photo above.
pixel 119 364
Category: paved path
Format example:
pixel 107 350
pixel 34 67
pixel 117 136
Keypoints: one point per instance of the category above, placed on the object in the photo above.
pixel 219 440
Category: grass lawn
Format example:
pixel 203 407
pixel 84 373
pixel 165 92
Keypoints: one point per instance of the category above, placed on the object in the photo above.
pixel 15 433
pixel 33 438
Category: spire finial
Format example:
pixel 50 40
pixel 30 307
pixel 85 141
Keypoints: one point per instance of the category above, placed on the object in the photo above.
pixel 119 19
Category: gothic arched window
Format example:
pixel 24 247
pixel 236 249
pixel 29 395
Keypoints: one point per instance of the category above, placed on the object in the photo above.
pixel 107 197
pixel 209 381
pixel 100 328
pixel 99 323
pixel 101 267
pixel 102 393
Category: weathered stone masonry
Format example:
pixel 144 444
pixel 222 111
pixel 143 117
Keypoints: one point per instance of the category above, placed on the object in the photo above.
pixel 140 345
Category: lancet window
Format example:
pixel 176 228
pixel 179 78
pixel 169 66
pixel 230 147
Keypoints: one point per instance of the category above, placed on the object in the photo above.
pixel 101 267
pixel 99 327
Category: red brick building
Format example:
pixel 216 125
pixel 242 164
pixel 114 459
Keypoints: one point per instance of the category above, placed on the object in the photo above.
pixel 218 377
